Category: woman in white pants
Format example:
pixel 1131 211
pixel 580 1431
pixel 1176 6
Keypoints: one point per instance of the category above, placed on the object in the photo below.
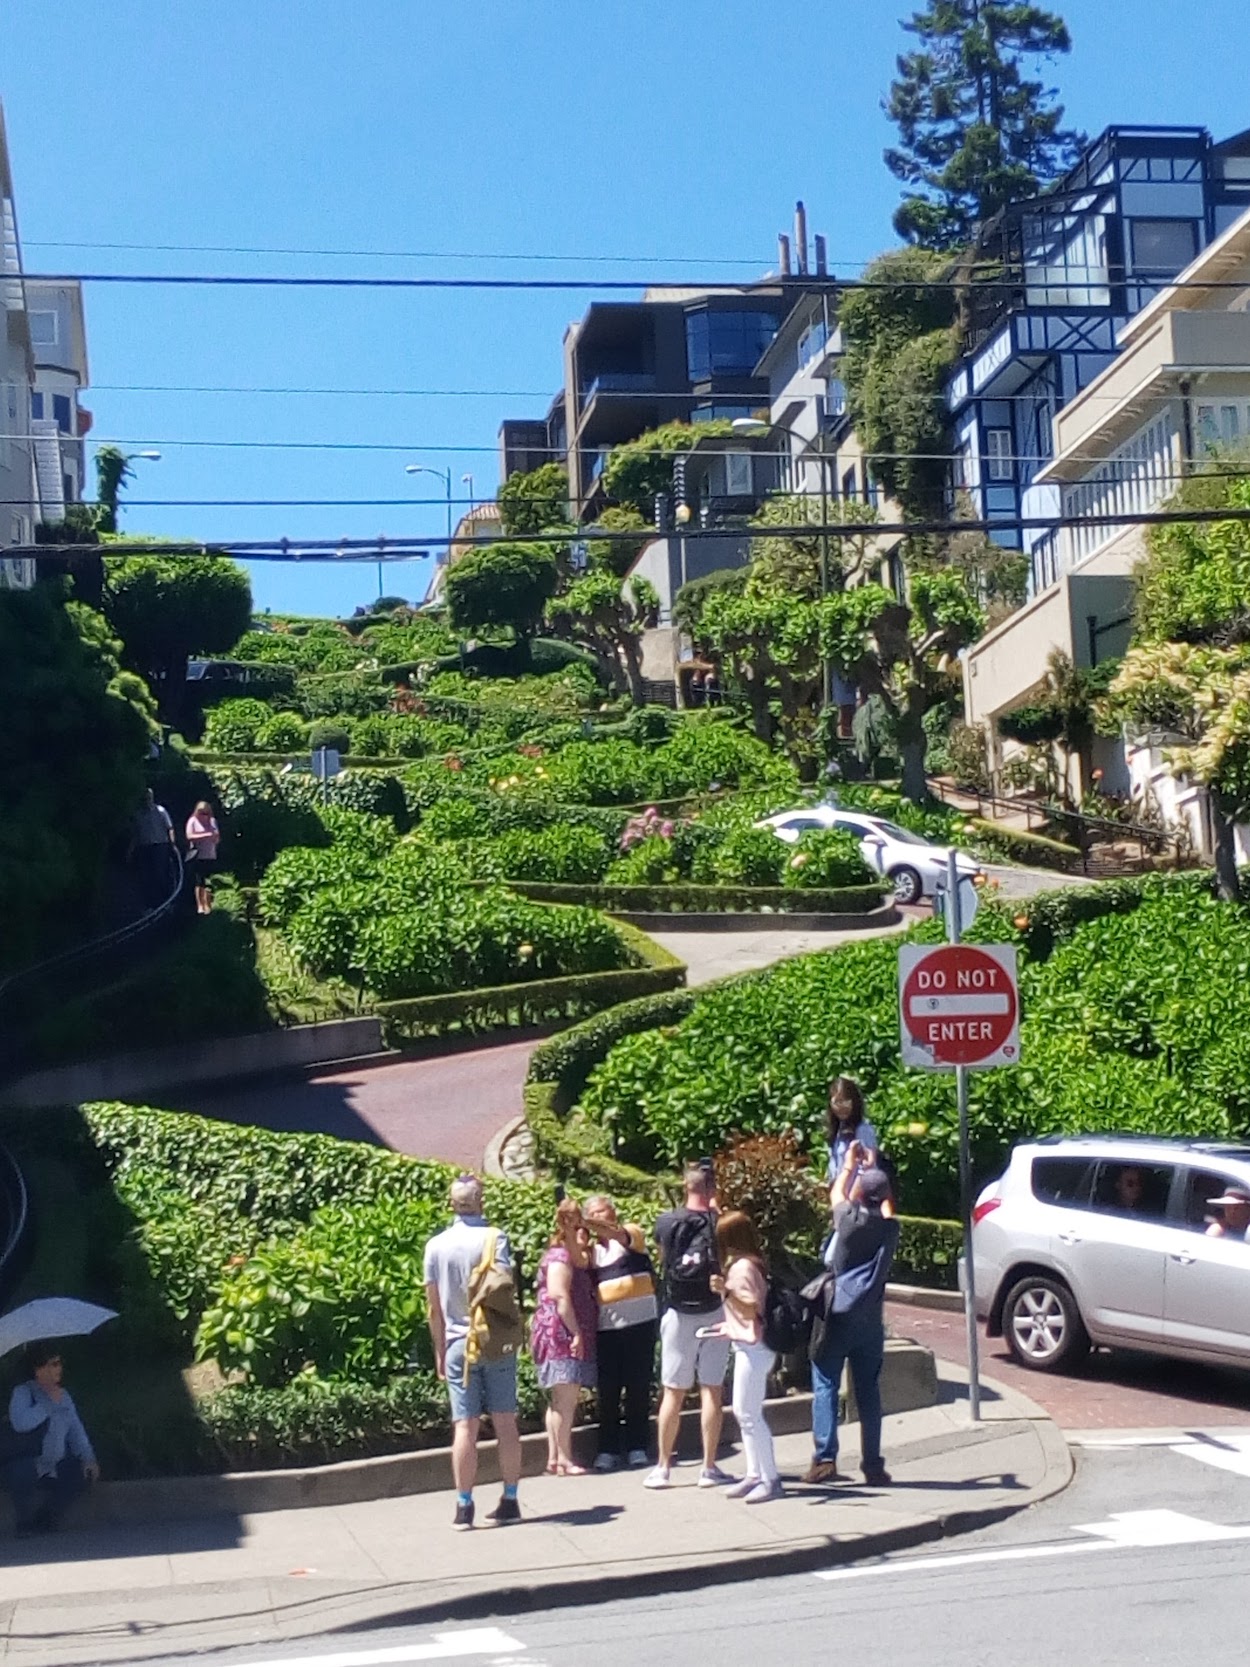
pixel 745 1288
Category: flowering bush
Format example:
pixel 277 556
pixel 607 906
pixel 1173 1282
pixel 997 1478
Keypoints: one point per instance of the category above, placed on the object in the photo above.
pixel 650 825
pixel 825 859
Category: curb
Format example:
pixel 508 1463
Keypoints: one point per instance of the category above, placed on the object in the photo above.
pixel 755 922
pixel 925 1296
pixel 492 1162
pixel 907 1385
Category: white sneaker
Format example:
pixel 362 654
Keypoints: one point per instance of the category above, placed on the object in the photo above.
pixel 606 1462
pixel 660 1477
pixel 712 1476
pixel 637 1459
pixel 761 1494
pixel 741 1489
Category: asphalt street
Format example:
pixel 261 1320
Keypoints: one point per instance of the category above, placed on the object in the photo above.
pixel 1141 1560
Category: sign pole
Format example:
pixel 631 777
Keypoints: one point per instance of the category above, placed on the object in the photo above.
pixel 953 925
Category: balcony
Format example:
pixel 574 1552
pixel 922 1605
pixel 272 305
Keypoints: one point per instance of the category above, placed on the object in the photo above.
pixel 618 382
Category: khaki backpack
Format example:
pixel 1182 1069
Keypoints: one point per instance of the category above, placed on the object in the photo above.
pixel 496 1329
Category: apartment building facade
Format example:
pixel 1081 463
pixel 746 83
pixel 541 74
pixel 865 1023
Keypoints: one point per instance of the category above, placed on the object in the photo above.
pixel 1176 396
pixel 1066 271
pixel 43 369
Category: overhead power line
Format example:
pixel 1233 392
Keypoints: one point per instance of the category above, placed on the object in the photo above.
pixel 382 547
pixel 808 283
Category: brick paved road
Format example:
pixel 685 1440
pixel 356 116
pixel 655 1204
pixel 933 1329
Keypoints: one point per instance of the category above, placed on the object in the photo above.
pixel 1119 1391
pixel 449 1107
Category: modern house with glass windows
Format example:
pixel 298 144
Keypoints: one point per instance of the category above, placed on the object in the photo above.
pixel 674 356
pixel 1175 398
pixel 1061 275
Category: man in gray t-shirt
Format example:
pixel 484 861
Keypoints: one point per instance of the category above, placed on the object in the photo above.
pixel 485 1386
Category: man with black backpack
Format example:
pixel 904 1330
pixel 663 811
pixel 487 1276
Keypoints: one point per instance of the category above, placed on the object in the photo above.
pixel 692 1309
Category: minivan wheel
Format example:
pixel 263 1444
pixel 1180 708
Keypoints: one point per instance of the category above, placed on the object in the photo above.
pixel 907 885
pixel 1043 1325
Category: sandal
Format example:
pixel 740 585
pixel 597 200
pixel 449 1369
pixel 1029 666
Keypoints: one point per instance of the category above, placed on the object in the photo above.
pixel 572 1470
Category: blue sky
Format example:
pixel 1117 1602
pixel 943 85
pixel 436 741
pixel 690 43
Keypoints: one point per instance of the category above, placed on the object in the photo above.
pixel 679 135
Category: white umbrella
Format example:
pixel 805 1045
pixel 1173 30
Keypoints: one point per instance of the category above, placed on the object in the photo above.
pixel 50 1317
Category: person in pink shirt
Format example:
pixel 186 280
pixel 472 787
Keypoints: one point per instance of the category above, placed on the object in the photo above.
pixel 203 838
pixel 744 1284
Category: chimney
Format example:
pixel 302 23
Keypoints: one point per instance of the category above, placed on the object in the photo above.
pixel 800 238
pixel 822 256
pixel 783 254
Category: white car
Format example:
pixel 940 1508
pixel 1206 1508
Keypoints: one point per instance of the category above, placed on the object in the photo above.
pixel 916 867
pixel 1104 1239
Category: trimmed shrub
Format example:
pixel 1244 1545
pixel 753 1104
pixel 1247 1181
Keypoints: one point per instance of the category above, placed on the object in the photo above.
pixel 327 732
pixel 825 859
pixel 284 732
pixel 745 857
pixel 234 725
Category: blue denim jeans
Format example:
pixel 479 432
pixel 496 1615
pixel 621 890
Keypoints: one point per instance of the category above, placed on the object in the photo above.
pixel 858 1340
pixel 34 1496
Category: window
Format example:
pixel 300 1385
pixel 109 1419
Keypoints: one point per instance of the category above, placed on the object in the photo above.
pixel 62 410
pixel 848 485
pixel 36 406
pixel 999 462
pixel 43 328
pixel 1063 1181
pixel 1230 426
pixel 723 411
pixel 726 344
pixel 739 481
pixel 67 488
pixel 1200 1186
pixel 1137 1189
pixel 1163 246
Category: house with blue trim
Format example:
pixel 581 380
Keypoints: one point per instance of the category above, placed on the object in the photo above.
pixel 1061 274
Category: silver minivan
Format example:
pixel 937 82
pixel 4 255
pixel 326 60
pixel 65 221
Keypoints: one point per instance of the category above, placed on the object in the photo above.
pixel 1103 1239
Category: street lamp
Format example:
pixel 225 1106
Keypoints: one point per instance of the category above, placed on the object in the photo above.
pixel 467 480
pixel 442 474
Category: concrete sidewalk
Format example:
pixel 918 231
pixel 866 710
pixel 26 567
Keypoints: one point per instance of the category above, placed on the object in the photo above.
pixel 124 1592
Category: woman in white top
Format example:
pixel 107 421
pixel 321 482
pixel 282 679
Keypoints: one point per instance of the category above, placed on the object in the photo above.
pixel 203 838
pixel 744 1285
pixel 625 1280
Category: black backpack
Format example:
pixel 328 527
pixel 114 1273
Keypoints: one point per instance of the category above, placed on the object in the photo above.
pixel 786 1319
pixel 691 1262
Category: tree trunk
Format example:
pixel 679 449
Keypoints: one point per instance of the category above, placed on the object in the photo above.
pixel 631 653
pixel 1227 880
pixel 912 756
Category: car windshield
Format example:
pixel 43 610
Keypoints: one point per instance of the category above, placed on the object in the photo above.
pixel 903 835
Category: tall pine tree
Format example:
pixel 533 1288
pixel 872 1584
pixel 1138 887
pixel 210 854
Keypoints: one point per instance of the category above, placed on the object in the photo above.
pixel 974 134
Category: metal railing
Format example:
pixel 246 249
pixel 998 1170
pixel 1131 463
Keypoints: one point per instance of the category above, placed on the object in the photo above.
pixel 1082 831
pixel 14 1221
pixel 71 971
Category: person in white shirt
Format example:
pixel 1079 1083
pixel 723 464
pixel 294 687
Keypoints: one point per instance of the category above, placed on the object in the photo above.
pixel 45 1481
pixel 488 1386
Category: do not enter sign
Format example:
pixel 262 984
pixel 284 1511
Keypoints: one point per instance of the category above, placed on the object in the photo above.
pixel 959 1005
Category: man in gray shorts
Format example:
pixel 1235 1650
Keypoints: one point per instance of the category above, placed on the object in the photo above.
pixel 488 1386
pixel 687 1241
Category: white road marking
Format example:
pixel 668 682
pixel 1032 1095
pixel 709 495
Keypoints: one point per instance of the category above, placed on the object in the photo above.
pixel 1123 1530
pixel 443 1646
pixel 1225 1452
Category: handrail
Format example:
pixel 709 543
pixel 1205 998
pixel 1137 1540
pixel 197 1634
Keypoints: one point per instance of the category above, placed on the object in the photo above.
pixel 1084 827
pixel 15 1220
pixel 114 940
pixel 112 946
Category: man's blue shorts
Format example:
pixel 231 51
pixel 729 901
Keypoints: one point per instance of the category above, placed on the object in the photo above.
pixel 491 1386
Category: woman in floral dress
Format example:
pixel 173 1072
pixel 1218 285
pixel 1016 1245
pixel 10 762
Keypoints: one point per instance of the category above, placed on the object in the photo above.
pixel 563 1332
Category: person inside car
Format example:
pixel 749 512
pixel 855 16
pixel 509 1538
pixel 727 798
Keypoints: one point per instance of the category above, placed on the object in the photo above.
pixel 1233 1222
pixel 1129 1189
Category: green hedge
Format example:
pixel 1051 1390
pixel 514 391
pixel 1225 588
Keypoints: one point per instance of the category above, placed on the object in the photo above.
pixel 688 899
pixel 1027 847
pixel 540 1001
pixel 571 1150
pixel 928 1253
pixel 568 1059
pixel 1050 917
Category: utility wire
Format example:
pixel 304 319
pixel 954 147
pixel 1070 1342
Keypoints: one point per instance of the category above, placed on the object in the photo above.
pixel 372 550
pixel 808 283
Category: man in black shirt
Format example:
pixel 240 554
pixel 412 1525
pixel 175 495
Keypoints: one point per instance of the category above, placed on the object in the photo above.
pixel 687 1241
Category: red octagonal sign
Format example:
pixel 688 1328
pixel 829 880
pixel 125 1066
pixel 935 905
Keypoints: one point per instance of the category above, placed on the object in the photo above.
pixel 959 1005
